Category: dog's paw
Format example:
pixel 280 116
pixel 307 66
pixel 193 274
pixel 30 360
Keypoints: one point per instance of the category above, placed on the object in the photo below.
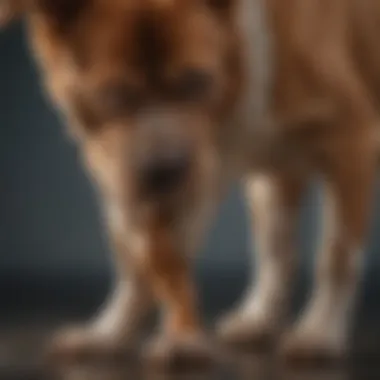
pixel 85 343
pixel 188 352
pixel 307 349
pixel 246 331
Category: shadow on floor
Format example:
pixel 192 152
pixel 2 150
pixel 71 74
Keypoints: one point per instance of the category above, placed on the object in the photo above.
pixel 21 358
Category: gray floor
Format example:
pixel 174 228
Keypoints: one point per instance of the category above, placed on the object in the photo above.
pixel 22 347
pixel 37 310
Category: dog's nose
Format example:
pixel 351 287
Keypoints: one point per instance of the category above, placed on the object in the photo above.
pixel 165 174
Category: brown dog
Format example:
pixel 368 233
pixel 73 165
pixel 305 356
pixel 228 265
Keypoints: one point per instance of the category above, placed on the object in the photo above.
pixel 171 101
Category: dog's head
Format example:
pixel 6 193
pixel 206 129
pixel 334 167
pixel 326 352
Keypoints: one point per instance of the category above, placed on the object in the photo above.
pixel 147 83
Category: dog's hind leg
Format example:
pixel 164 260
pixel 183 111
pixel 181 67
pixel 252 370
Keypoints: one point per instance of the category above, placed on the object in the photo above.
pixel 349 177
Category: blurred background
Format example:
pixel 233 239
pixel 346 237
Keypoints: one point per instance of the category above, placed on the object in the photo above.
pixel 54 257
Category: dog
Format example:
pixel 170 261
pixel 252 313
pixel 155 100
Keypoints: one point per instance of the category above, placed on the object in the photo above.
pixel 171 101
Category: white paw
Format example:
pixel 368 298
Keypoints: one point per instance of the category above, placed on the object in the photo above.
pixel 242 328
pixel 85 342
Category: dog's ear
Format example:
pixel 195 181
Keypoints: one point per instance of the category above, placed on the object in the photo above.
pixel 60 12
pixel 11 10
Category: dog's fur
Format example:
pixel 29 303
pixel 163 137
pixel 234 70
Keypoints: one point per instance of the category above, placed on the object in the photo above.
pixel 283 90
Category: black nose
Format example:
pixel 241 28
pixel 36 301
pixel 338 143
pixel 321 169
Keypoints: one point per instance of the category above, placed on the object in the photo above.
pixel 164 174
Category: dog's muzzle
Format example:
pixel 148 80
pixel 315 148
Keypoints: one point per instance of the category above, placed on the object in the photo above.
pixel 165 173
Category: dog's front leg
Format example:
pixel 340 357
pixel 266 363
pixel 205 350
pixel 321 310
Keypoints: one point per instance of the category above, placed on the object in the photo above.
pixel 152 266
pixel 180 337
pixel 116 326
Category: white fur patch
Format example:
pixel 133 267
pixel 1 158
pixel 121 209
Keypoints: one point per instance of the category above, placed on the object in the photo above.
pixel 273 228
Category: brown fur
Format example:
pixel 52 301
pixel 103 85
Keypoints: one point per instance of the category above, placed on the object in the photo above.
pixel 109 65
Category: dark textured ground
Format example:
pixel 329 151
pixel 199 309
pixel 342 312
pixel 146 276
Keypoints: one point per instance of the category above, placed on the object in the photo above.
pixel 32 310
pixel 22 345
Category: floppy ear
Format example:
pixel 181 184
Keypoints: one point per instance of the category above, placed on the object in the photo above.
pixel 11 10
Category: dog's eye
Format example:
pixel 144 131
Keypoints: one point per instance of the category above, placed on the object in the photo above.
pixel 192 85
